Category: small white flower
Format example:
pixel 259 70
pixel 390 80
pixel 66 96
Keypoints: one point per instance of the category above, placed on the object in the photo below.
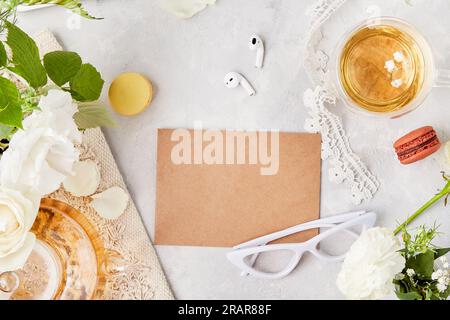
pixel 389 66
pixel 441 287
pixel 445 265
pixel 370 265
pixel 399 276
pixel 410 272
pixel 398 56
pixel 443 259
pixel 397 83
pixel 437 274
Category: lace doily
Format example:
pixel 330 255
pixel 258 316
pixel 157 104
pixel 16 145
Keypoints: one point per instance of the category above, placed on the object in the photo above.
pixel 143 277
pixel 346 165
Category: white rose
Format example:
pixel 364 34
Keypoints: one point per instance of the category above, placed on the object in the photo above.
pixel 41 156
pixel 17 215
pixel 370 265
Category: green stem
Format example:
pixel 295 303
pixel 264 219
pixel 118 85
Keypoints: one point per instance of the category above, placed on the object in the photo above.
pixel 428 204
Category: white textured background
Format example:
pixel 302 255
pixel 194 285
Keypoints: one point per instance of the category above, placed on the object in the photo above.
pixel 187 59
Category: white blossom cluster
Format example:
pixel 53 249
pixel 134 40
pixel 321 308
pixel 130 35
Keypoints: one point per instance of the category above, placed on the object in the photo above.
pixel 442 275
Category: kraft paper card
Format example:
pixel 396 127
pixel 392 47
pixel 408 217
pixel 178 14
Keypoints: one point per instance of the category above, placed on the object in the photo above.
pixel 222 188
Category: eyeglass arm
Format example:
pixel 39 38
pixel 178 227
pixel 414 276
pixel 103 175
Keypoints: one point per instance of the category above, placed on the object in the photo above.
pixel 298 228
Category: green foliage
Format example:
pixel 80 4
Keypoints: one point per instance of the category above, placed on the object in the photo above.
pixel 416 281
pixel 92 116
pixel 421 242
pixel 422 264
pixel 10 109
pixel 8 7
pixel 74 5
pixel 440 252
pixel 25 57
pixel 65 69
pixel 87 84
pixel 7 11
pixel 62 66
pixel 409 296
pixel 3 55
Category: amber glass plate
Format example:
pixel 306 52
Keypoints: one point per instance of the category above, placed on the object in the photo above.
pixel 68 259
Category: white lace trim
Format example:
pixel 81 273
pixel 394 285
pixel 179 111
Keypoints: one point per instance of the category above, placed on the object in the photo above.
pixel 316 60
pixel 345 164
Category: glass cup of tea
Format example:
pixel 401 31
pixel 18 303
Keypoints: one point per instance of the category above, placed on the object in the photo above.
pixel 68 262
pixel 385 67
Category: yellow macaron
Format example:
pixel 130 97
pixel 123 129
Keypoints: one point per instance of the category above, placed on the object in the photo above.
pixel 130 93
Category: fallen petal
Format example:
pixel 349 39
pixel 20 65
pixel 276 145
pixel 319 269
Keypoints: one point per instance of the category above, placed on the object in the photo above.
pixel 111 203
pixel 86 179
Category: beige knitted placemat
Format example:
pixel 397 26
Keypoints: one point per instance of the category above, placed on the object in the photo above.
pixel 143 277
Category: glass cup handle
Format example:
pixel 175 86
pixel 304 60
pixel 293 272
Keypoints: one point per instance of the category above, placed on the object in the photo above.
pixel 442 78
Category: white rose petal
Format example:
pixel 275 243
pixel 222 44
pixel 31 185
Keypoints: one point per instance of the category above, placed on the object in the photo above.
pixel 111 203
pixel 17 259
pixel 85 180
pixel 186 8
pixel 41 156
pixel 17 215
pixel 371 264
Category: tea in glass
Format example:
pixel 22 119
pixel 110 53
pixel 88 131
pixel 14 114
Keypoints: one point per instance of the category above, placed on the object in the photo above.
pixel 381 68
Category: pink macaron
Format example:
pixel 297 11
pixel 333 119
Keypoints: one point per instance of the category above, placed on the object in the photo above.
pixel 417 145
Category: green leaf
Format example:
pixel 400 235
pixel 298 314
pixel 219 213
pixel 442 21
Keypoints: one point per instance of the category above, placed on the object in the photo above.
pixel 93 116
pixel 87 84
pixel 10 110
pixel 62 66
pixel 3 55
pixel 25 56
pixel 423 264
pixel 408 295
pixel 440 252
pixel 74 5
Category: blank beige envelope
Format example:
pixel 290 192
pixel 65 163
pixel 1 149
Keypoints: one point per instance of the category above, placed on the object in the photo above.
pixel 222 205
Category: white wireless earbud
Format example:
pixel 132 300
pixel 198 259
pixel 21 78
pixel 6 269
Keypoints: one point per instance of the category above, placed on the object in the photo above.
pixel 257 44
pixel 234 79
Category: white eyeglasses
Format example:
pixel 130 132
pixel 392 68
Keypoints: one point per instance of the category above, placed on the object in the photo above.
pixel 244 256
